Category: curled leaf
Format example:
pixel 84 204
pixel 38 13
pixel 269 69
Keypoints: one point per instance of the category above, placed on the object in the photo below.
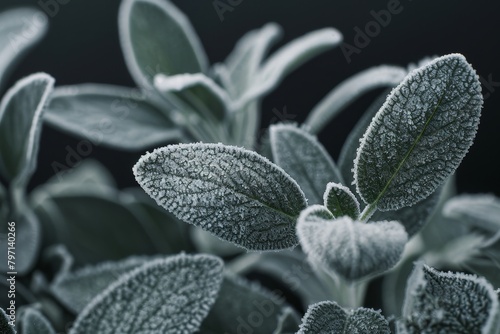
pixel 340 201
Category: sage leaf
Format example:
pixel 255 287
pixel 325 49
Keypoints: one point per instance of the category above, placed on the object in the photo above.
pixel 156 37
pixel 439 302
pixel 20 126
pixel 349 90
pixel 420 135
pixel 21 29
pixel 328 317
pixel 171 295
pixel 231 192
pixel 114 116
pixel 349 248
pixel 33 322
pixel 304 159
pixel 5 326
pixel 341 201
pixel 480 211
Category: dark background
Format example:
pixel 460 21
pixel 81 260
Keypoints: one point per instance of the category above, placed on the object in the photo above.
pixel 82 46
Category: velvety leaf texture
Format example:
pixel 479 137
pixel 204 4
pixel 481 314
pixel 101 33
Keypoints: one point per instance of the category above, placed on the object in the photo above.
pixel 482 211
pixel 165 296
pixel 5 327
pixel 231 192
pixel 439 302
pixel 347 247
pixel 304 159
pixel 328 317
pixel 340 201
pixel 33 322
pixel 420 135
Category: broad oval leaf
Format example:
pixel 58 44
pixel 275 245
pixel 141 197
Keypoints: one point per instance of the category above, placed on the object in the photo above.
pixel 33 322
pixel 164 296
pixel 304 159
pixel 114 116
pixel 231 192
pixel 480 211
pixel 439 302
pixel 156 37
pixel 420 135
pixel 20 126
pixel 328 317
pixel 5 326
pixel 349 248
pixel 340 201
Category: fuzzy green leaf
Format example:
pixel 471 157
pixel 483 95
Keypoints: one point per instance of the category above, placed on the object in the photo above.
pixel 420 135
pixel 439 302
pixel 156 37
pixel 304 159
pixel 340 201
pixel 5 327
pixel 114 116
pixel 349 248
pixel 231 192
pixel 328 317
pixel 164 296
pixel 33 322
pixel 20 126
pixel 480 211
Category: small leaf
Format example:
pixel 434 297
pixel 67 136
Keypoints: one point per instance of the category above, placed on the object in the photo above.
pixel 198 92
pixel 304 159
pixel 233 193
pixel 349 248
pixel 165 296
pixel 438 302
pixel 33 322
pixel 420 135
pixel 114 116
pixel 20 30
pixel 328 317
pixel 156 37
pixel 480 211
pixel 5 326
pixel 20 112
pixel 349 90
pixel 340 201
pixel 244 306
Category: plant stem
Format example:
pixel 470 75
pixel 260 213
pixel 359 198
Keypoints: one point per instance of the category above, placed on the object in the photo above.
pixel 367 212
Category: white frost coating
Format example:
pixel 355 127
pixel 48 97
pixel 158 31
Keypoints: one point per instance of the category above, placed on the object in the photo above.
pixel 304 159
pixel 231 192
pixel 349 248
pixel 164 296
pixel 349 90
pixel 439 302
pixel 328 317
pixel 33 322
pixel 340 201
pixel 481 211
pixel 5 327
pixel 420 135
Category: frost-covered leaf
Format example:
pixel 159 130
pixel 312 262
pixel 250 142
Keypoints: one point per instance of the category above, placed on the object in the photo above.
pixel 33 322
pixel 158 38
pixel 114 116
pixel 420 135
pixel 231 192
pixel 328 317
pixel 340 201
pixel 439 302
pixel 5 327
pixel 206 242
pixel 245 306
pixel 76 289
pixel 197 91
pixel 352 249
pixel 164 296
pixel 351 89
pixel 20 114
pixel 20 30
pixel 304 159
pixel 480 211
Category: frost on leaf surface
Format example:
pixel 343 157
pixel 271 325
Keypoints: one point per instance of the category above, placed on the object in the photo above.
pixel 340 201
pixel 347 247
pixel 482 211
pixel 33 322
pixel 5 327
pixel 304 159
pixel 231 192
pixel 328 317
pixel 171 295
pixel 420 135
pixel 439 302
